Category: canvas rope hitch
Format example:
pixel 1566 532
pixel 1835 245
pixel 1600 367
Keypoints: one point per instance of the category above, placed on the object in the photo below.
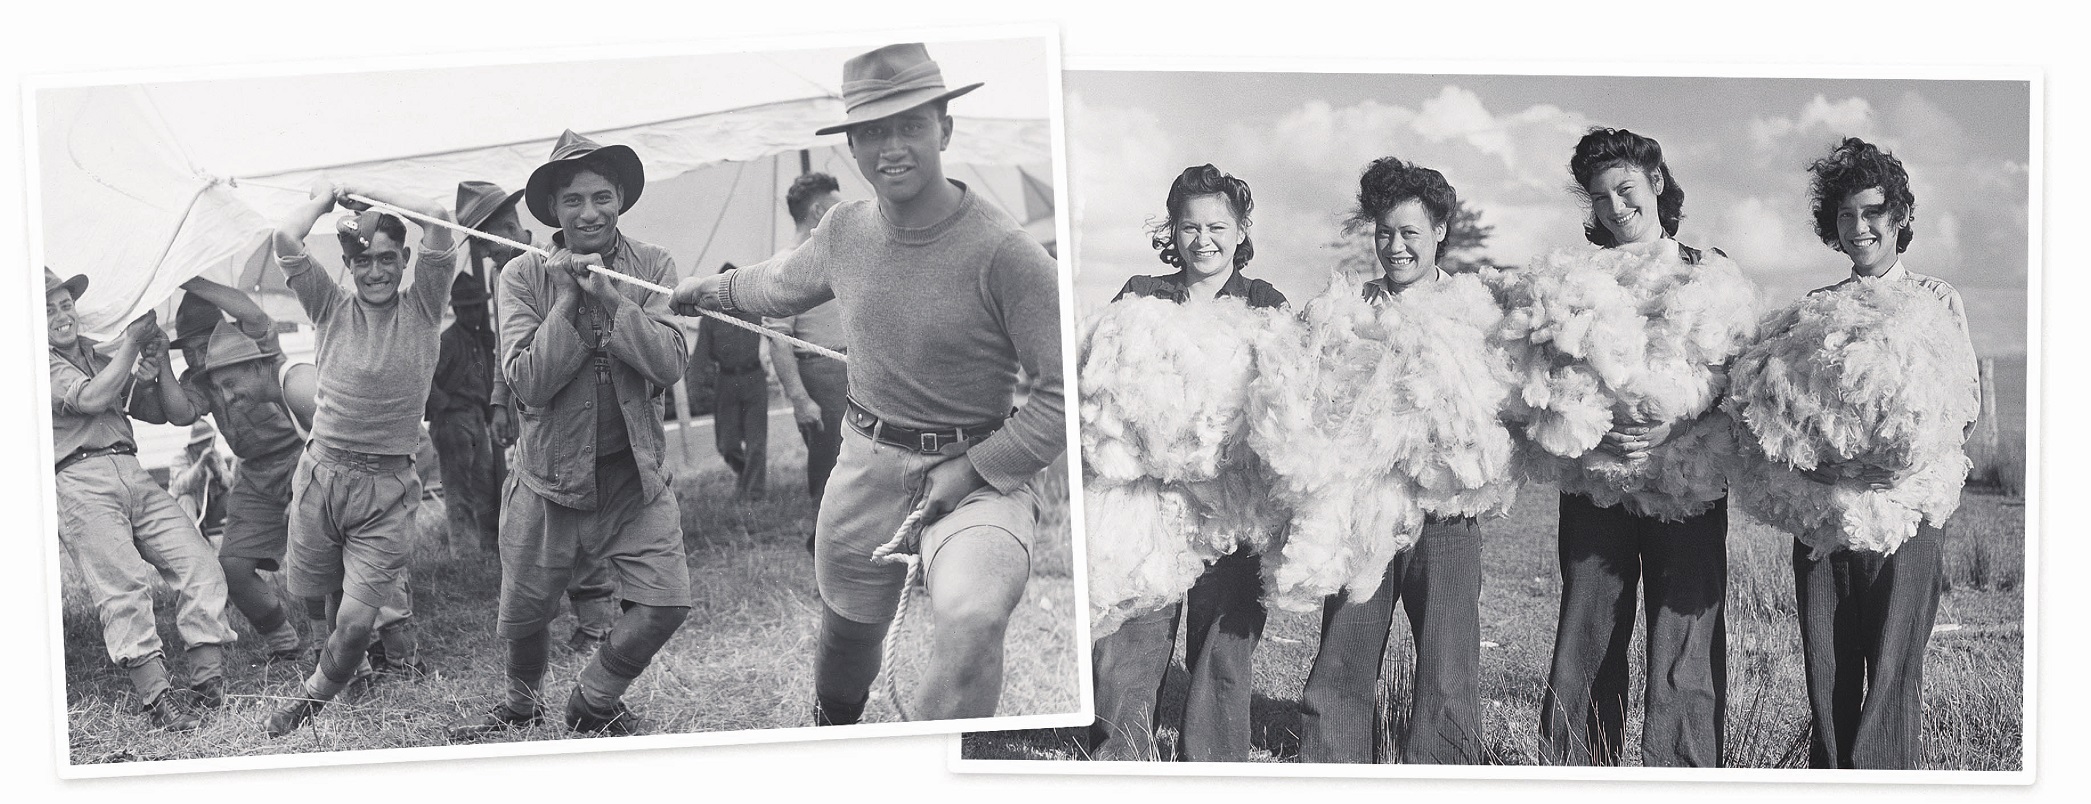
pixel 625 278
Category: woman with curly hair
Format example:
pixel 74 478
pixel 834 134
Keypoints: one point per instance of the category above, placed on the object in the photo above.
pixel 1613 540
pixel 1866 616
pixel 1206 237
pixel 1409 209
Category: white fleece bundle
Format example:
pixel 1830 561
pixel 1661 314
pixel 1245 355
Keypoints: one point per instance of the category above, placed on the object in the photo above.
pixel 1872 372
pixel 1371 417
pixel 1615 336
pixel 1163 386
pixel 1140 549
pixel 1168 485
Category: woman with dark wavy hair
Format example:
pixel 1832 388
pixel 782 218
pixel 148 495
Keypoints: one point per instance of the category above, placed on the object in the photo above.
pixel 1606 551
pixel 1409 209
pixel 1866 673
pixel 1206 237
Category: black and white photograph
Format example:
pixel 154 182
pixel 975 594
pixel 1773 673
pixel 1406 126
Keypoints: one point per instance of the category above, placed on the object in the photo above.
pixel 687 397
pixel 1614 423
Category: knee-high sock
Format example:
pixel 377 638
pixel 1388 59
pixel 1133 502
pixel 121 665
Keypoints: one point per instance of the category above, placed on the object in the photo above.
pixel 526 671
pixel 638 635
pixel 845 662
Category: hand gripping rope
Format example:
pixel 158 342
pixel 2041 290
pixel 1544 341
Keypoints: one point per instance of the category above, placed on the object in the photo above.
pixel 625 278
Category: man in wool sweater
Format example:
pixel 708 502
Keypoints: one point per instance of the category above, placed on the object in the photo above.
pixel 943 300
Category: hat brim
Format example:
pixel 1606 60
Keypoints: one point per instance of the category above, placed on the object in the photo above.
pixel 895 104
pixel 480 216
pixel 75 286
pixel 215 364
pixel 537 195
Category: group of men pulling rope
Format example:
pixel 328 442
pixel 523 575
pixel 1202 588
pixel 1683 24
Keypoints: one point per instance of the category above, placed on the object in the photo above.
pixel 942 300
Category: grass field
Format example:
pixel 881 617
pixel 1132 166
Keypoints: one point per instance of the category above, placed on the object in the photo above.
pixel 1973 673
pixel 743 660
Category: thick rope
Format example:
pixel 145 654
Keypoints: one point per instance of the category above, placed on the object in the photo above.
pixel 900 549
pixel 625 278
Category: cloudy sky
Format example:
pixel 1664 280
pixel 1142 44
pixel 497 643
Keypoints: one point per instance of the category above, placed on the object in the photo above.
pixel 1738 146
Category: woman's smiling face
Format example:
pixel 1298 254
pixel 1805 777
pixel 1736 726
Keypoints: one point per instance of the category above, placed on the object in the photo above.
pixel 1867 230
pixel 1206 233
pixel 1406 241
pixel 1623 199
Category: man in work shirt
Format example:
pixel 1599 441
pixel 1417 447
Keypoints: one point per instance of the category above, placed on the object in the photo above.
pixel 120 527
pixel 944 299
pixel 232 375
pixel 816 385
pixel 587 360
pixel 355 488
pixel 483 206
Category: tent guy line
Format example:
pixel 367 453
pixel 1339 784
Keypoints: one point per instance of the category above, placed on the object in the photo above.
pixel 625 278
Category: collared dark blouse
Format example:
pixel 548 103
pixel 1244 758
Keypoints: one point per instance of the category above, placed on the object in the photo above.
pixel 1176 287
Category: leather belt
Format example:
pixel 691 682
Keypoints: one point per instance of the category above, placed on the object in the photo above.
pixel 927 442
pixel 84 453
pixel 360 461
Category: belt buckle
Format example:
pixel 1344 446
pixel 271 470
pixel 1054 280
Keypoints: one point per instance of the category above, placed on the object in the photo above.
pixel 927 442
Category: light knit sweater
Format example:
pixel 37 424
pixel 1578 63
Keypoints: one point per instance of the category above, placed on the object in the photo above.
pixel 937 321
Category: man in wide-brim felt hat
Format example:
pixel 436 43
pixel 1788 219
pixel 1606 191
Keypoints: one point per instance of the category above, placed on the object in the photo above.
pixel 485 207
pixel 945 299
pixel 123 531
pixel 585 358
pixel 233 377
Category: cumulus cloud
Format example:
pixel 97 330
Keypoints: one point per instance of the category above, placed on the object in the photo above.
pixel 1851 117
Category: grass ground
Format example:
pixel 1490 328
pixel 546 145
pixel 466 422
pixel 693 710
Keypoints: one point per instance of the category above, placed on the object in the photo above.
pixel 742 661
pixel 1973 671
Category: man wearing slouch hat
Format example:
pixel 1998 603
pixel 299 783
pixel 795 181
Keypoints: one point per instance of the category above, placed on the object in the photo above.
pixel 484 207
pixel 587 360
pixel 122 530
pixel 944 299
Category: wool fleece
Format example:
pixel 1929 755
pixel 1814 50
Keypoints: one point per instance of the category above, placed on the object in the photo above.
pixel 1871 371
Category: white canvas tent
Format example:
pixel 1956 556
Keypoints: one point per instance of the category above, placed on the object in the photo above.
pixel 145 186
pixel 140 184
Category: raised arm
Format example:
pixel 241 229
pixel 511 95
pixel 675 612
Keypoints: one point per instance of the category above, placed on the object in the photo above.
pixel 435 259
pixel 253 322
pixel 103 391
pixel 315 290
pixel 159 397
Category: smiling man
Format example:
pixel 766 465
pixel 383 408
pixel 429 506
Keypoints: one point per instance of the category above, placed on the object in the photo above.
pixel 587 360
pixel 944 300
pixel 355 489
pixel 121 529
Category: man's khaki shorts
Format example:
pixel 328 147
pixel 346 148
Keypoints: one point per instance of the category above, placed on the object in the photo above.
pixel 873 488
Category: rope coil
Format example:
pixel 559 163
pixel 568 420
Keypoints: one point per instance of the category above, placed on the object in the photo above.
pixel 901 549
